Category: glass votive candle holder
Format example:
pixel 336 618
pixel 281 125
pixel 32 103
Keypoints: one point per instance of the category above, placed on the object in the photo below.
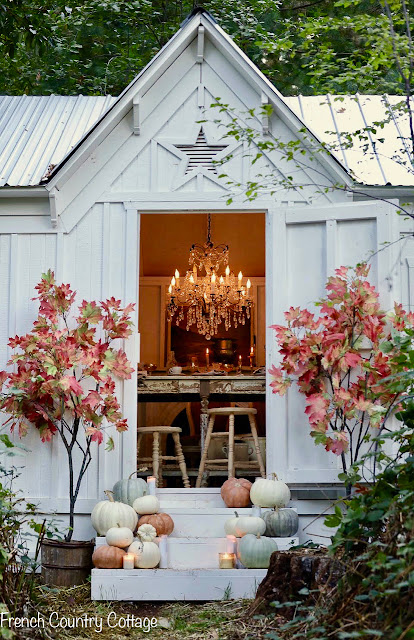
pixel 128 561
pixel 227 560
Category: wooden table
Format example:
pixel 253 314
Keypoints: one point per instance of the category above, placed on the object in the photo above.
pixel 190 388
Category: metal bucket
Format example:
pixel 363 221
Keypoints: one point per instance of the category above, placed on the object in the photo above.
pixel 66 564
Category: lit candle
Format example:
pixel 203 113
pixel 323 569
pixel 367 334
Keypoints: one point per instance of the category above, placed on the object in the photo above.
pixel 227 560
pixel 192 279
pixel 162 545
pixel 213 283
pixel 231 544
pixel 151 481
pixel 128 561
pixel 207 357
pixel 221 280
pixel 251 357
pixel 240 361
pixel 177 278
pixel 227 274
pixel 195 273
pixel 239 278
pixel 170 289
pixel 172 283
pixel 248 285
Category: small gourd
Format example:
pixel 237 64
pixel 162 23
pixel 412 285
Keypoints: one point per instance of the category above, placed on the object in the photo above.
pixel 281 523
pixel 269 493
pixel 129 489
pixel 119 537
pixel 147 555
pixel 108 513
pixel 240 526
pixel 146 505
pixel 255 551
pixel 136 548
pixel 106 557
pixel 147 533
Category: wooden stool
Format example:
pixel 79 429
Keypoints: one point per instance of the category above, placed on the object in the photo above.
pixel 158 459
pixel 231 412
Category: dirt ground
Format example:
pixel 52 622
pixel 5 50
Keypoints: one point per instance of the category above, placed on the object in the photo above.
pixel 223 620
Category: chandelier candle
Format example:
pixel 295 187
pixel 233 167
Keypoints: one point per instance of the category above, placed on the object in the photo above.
pixel 206 298
pixel 207 358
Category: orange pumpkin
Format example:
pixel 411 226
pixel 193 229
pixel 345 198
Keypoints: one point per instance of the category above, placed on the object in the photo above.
pixel 236 492
pixel 106 557
pixel 162 522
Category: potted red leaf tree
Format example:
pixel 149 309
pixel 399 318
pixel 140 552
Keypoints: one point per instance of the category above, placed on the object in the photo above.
pixel 62 384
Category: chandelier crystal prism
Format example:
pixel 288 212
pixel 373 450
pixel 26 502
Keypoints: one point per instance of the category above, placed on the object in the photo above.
pixel 205 297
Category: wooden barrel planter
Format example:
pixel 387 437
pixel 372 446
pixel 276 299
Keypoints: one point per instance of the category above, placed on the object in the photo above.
pixel 66 564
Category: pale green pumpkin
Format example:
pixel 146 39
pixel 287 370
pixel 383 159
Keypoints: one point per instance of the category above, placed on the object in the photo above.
pixel 255 551
pixel 281 523
pixel 130 489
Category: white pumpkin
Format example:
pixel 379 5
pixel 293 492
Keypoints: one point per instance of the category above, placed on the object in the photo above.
pixel 136 548
pixel 119 537
pixel 108 513
pixel 147 505
pixel 147 533
pixel 269 493
pixel 147 555
pixel 240 526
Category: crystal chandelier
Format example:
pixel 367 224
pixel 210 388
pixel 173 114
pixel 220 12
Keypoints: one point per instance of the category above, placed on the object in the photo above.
pixel 204 297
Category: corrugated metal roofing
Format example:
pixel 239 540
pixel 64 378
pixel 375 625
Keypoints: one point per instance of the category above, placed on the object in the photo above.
pixel 37 132
pixel 371 161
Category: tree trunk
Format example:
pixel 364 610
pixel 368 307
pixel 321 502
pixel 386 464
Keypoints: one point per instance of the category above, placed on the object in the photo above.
pixel 291 571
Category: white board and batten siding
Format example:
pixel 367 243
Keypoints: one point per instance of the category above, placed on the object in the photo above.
pixel 98 258
pixel 307 244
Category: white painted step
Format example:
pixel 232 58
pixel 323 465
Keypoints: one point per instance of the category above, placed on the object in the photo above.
pixel 202 553
pixel 169 584
pixel 202 523
pixel 208 497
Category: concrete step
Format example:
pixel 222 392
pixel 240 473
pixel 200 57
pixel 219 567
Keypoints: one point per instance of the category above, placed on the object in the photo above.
pixel 170 584
pixel 202 553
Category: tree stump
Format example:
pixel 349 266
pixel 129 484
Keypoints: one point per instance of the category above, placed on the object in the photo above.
pixel 291 571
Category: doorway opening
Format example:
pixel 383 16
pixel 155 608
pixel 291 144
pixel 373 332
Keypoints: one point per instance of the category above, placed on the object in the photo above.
pixel 230 373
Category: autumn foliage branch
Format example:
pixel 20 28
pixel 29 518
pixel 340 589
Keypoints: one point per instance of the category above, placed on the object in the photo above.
pixel 62 377
pixel 341 360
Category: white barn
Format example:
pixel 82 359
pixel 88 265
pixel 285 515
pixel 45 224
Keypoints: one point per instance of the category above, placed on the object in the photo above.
pixel 77 176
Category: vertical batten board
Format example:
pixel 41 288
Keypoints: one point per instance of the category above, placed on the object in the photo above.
pixel 110 463
pixel 13 284
pixel 128 441
pixel 276 276
pixel 5 269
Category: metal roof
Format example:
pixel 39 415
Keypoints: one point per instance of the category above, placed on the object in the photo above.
pixel 38 132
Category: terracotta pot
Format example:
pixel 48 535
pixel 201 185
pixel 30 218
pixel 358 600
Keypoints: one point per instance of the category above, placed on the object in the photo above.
pixel 66 564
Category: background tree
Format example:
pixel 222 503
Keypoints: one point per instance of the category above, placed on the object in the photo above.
pixel 97 47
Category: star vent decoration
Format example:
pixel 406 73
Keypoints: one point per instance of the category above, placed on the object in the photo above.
pixel 201 153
